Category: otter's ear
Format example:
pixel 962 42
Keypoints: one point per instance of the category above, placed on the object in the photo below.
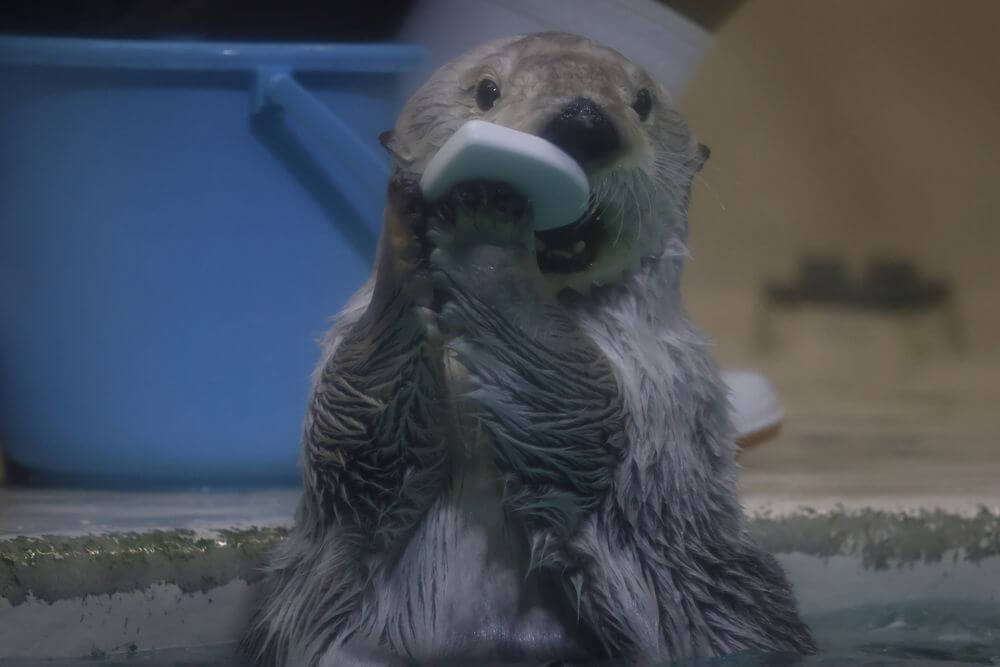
pixel 703 154
pixel 386 139
pixel 393 146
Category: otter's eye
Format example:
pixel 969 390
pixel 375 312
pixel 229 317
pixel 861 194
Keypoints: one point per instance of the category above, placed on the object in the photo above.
pixel 487 93
pixel 643 103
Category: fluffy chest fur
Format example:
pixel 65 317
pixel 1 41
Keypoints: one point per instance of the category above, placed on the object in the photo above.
pixel 463 588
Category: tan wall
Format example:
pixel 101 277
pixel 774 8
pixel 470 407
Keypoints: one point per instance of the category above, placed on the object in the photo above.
pixel 862 127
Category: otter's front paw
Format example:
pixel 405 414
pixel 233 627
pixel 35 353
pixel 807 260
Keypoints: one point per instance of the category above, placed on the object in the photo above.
pixel 479 214
pixel 405 245
pixel 484 255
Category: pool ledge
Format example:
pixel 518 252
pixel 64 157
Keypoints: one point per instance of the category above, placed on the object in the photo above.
pixel 73 586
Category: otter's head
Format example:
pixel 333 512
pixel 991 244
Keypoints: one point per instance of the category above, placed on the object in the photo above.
pixel 604 111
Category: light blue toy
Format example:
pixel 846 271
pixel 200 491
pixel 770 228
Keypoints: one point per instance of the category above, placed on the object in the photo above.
pixel 550 179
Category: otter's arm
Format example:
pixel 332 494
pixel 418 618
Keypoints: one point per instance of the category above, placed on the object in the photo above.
pixel 372 437
pixel 543 392
pixel 667 568
pixel 372 450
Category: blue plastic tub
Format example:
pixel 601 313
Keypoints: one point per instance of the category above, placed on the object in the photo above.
pixel 178 222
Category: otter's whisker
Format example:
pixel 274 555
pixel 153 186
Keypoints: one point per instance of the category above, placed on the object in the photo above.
pixel 621 220
pixel 650 210
pixel 711 190
pixel 633 186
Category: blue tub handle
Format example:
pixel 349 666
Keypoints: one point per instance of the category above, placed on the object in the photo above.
pixel 278 88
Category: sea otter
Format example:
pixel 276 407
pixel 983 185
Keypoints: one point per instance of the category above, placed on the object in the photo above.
pixel 517 448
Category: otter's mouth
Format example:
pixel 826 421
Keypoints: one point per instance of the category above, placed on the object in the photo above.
pixel 570 248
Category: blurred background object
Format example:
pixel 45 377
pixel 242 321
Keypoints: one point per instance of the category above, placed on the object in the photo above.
pixel 888 288
pixel 669 38
pixel 849 211
pixel 755 407
pixel 851 129
pixel 182 218
pixel 843 231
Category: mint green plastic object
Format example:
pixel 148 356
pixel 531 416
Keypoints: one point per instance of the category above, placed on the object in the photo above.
pixel 549 178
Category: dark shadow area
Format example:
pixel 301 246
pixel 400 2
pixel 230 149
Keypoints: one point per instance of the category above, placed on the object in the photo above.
pixel 886 285
pixel 208 19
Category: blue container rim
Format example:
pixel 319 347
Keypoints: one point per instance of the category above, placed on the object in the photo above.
pixel 152 54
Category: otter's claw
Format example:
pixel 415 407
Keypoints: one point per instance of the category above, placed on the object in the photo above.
pixel 404 245
pixel 483 196
pixel 482 213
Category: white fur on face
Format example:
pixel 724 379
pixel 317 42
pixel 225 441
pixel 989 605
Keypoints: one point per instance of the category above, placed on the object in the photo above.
pixel 643 194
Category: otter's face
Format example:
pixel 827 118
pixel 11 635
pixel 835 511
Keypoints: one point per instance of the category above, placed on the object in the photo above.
pixel 604 111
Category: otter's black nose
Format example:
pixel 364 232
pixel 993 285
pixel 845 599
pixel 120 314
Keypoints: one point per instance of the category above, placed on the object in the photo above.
pixel 583 131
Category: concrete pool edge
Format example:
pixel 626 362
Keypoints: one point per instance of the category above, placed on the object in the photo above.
pixel 123 563
pixel 882 534
pixel 81 595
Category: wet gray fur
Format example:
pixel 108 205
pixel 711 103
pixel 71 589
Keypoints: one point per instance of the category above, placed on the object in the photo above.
pixel 508 467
